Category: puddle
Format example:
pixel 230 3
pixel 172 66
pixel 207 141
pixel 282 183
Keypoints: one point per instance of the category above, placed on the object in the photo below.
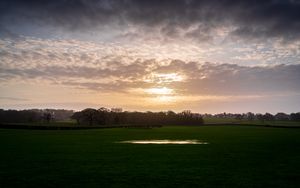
pixel 164 142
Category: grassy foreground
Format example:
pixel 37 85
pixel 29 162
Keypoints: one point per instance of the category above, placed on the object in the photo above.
pixel 236 156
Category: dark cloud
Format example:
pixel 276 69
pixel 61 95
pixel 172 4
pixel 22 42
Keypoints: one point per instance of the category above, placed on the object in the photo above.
pixel 5 33
pixel 250 18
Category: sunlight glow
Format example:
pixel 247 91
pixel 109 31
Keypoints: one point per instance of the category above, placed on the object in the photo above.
pixel 159 91
pixel 165 98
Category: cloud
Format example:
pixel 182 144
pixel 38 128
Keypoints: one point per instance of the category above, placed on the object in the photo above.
pixel 13 99
pixel 232 79
pixel 56 71
pixel 198 20
pixel 87 66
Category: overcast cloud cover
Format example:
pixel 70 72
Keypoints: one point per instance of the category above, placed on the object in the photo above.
pixel 208 56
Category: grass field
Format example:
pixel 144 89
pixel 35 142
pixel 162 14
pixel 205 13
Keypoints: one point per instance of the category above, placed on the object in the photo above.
pixel 213 120
pixel 236 156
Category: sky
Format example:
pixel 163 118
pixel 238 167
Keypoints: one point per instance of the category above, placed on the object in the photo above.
pixel 207 56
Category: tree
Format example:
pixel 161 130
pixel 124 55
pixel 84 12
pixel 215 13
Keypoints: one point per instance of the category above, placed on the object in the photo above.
pixel 260 117
pixel 78 117
pixel 47 116
pixel 250 116
pixel 268 117
pixel 104 116
pixel 295 116
pixel 239 117
pixel 282 116
pixel 89 115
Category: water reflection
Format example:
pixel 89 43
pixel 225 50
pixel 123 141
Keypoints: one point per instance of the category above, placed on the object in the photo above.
pixel 164 142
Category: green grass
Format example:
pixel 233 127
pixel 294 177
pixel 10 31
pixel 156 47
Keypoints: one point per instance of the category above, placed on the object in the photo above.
pixel 236 156
pixel 273 123
pixel 213 120
pixel 51 123
pixel 220 120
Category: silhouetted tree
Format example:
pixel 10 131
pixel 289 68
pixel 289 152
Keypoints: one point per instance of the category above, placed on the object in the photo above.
pixel 89 115
pixel 250 116
pixel 268 117
pixel 260 117
pixel 47 116
pixel 104 116
pixel 282 116
pixel 238 116
pixel 295 116
pixel 78 117
pixel 33 115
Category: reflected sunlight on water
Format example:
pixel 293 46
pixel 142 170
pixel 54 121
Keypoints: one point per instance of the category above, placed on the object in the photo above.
pixel 164 142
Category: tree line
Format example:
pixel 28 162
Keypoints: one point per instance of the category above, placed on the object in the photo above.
pixel 105 116
pixel 261 117
pixel 34 115
pixel 116 116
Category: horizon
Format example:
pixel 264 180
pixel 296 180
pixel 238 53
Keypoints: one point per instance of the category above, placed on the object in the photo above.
pixel 127 110
pixel 203 56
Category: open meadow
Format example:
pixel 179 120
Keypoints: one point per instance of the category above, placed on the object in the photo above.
pixel 234 156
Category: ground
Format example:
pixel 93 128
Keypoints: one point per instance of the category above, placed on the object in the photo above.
pixel 236 156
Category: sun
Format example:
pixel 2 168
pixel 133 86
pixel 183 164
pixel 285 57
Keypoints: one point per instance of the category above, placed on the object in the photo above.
pixel 160 91
pixel 161 95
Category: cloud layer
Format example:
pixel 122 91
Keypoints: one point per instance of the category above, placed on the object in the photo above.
pixel 58 62
pixel 199 20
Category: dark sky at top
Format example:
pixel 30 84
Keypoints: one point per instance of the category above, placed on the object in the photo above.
pixel 251 18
